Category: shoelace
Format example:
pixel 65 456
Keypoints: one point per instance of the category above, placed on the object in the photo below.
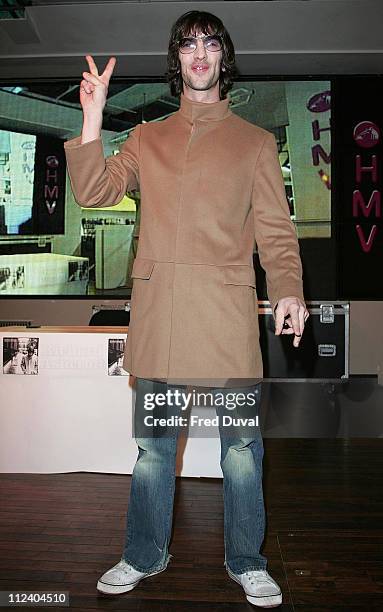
pixel 124 567
pixel 261 574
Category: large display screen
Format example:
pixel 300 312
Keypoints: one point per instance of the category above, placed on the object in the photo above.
pixel 50 246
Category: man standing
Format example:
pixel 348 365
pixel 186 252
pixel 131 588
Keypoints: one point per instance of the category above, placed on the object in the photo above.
pixel 210 185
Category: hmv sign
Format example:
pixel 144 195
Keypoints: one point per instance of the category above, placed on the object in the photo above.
pixel 359 186
pixel 49 186
pixel 367 136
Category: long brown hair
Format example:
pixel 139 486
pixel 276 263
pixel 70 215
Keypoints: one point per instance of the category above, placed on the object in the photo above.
pixel 206 23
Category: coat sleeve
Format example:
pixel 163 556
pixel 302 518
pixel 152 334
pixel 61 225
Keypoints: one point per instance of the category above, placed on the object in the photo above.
pixel 97 181
pixel 275 233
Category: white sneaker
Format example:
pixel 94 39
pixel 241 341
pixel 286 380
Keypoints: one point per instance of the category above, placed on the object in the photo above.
pixel 261 590
pixel 121 578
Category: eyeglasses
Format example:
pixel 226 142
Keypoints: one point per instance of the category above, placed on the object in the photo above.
pixel 189 44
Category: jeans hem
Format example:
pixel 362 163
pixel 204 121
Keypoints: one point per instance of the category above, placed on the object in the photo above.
pixel 248 568
pixel 155 568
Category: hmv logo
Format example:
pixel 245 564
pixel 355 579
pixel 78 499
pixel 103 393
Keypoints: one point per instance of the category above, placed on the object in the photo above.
pixel 320 103
pixel 51 188
pixel 366 135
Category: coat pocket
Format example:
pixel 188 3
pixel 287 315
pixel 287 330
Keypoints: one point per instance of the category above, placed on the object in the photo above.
pixel 142 268
pixel 239 275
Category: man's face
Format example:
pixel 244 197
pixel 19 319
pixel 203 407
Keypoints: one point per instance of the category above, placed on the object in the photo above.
pixel 201 68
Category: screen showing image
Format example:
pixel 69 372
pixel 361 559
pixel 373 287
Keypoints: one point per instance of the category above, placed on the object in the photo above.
pixel 51 246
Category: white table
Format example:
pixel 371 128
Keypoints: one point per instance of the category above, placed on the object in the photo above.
pixel 74 416
pixel 43 274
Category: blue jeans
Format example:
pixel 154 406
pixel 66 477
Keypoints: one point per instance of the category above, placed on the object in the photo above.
pixel 150 510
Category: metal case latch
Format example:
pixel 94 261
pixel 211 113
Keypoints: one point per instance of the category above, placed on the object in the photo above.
pixel 326 313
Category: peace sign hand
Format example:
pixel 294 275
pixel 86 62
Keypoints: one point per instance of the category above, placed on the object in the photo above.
pixel 94 86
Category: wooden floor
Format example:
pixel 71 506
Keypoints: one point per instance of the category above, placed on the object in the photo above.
pixel 324 540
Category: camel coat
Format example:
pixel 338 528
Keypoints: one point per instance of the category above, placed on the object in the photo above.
pixel 211 185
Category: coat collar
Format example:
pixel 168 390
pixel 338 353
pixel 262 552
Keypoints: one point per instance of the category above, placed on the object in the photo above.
pixel 204 111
